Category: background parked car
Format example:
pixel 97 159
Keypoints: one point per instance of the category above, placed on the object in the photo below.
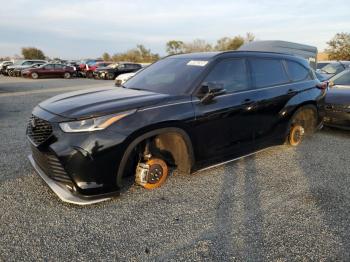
pixel 89 69
pixel 112 71
pixel 4 65
pixel 122 78
pixel 50 70
pixel 322 64
pixel 88 62
pixel 338 107
pixel 18 70
pixel 334 68
pixel 19 63
pixel 340 80
pixel 338 101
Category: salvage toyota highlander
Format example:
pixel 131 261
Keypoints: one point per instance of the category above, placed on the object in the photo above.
pixel 184 112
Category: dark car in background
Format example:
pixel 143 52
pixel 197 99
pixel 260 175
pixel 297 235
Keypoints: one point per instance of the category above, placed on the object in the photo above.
pixel 49 70
pixel 338 101
pixel 4 65
pixel 112 71
pixel 184 112
pixel 334 68
pixel 340 80
pixel 338 108
pixel 321 64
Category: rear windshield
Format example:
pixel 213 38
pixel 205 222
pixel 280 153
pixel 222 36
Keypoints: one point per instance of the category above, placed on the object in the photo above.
pixel 168 76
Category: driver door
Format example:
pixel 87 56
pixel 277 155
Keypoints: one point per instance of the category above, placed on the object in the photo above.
pixel 223 127
pixel 47 71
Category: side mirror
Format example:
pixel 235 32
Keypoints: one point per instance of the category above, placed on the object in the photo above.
pixel 209 90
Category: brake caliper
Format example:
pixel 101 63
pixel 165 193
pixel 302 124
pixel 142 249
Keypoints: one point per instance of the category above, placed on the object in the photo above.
pixel 141 177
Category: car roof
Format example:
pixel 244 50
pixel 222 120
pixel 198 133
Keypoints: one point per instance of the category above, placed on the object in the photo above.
pixel 209 55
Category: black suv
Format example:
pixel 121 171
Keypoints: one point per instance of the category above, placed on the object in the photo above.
pixel 112 71
pixel 184 112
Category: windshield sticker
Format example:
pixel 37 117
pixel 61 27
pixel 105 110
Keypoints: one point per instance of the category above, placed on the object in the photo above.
pixel 197 63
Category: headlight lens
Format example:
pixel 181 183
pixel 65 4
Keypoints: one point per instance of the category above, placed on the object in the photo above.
pixel 93 124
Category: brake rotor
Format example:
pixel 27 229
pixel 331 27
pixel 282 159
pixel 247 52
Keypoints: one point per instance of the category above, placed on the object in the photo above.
pixel 296 135
pixel 157 174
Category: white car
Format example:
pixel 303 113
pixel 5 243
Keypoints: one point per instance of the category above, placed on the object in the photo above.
pixel 122 78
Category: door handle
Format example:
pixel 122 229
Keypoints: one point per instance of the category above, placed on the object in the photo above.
pixel 291 91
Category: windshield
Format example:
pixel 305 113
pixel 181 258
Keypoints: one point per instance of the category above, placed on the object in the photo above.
pixel 168 76
pixel 112 65
pixel 333 68
pixel 342 79
pixel 18 62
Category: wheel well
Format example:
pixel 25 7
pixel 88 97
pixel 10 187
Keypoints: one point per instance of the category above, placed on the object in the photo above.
pixel 171 144
pixel 303 114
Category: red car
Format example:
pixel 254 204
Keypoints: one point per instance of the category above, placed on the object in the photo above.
pixel 50 70
pixel 89 69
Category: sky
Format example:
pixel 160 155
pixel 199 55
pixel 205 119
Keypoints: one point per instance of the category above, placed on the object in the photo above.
pixel 73 29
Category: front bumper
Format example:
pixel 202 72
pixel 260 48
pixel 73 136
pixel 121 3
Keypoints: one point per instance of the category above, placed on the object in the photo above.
pixel 61 191
pixel 83 164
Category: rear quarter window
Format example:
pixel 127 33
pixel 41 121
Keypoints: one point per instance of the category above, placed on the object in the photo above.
pixel 268 72
pixel 297 72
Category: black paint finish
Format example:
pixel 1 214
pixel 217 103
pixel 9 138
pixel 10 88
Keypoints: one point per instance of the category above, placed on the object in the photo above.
pixel 230 125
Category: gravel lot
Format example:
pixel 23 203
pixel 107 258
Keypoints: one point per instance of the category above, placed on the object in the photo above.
pixel 282 204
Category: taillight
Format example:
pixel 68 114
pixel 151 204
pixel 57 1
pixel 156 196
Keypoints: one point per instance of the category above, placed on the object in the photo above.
pixel 322 85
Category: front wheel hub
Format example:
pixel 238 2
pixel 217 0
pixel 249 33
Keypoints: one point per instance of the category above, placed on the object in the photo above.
pixel 296 135
pixel 152 174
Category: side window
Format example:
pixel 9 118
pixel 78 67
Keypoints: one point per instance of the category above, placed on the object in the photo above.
pixel 49 66
pixel 296 71
pixel 231 73
pixel 27 63
pixel 268 72
pixel 57 66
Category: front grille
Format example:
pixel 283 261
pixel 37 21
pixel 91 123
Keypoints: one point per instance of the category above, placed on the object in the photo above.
pixel 38 130
pixel 51 166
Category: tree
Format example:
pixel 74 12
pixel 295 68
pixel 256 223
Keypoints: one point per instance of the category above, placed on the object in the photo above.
pixel 106 57
pixel 139 54
pixel 226 43
pixel 339 47
pixel 32 53
pixel 174 47
pixel 197 45
pixel 249 37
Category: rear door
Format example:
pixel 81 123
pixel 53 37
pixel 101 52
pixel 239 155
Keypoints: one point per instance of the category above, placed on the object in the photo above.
pixel 273 89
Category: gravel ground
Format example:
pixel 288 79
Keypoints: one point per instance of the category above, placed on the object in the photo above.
pixel 282 204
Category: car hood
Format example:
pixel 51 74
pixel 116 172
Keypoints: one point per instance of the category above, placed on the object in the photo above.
pixel 100 101
pixel 338 96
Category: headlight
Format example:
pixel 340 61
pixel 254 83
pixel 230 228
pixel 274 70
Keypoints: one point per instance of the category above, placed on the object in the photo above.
pixel 93 124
